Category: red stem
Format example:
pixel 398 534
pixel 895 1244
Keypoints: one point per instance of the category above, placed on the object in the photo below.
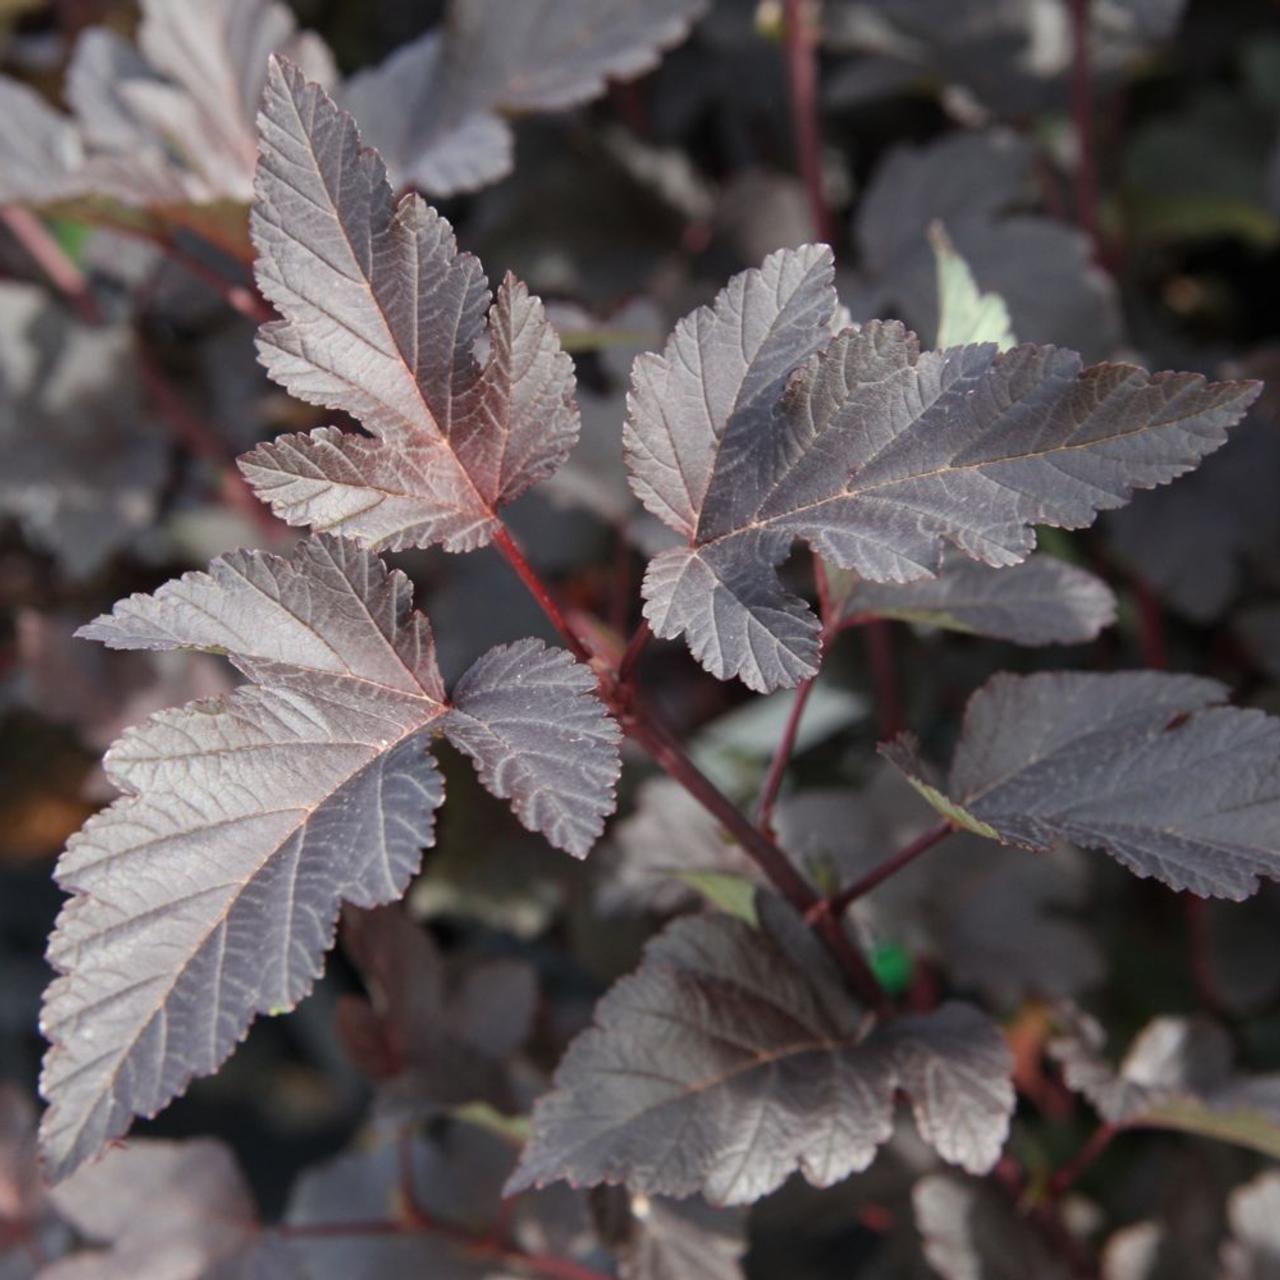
pixel 787 745
pixel 31 232
pixel 1151 638
pixel 1069 1174
pixel 636 646
pixel 840 902
pixel 506 545
pixel 802 72
pixel 782 757
pixel 884 677
pixel 667 752
pixel 42 246
pixel 671 757
pixel 1083 118
pixel 1200 953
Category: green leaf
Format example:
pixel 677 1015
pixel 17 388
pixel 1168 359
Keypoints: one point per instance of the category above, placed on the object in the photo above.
pixel 965 313
pixel 734 895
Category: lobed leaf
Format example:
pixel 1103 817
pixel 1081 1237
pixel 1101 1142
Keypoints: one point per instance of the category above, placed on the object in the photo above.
pixel 732 1058
pixel 435 107
pixel 1141 765
pixel 874 454
pixel 529 718
pixel 382 318
pixel 1040 601
pixel 102 694
pixel 698 408
pixel 247 821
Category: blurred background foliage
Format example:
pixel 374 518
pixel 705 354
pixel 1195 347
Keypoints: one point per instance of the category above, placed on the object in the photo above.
pixel 118 427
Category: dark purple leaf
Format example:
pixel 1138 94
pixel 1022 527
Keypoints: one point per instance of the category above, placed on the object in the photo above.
pixel 729 1061
pixel 435 107
pixel 962 177
pixel 993 918
pixel 529 718
pixel 101 694
pixel 876 455
pixel 761 210
pixel 1142 765
pixel 716 386
pixel 382 318
pixel 40 149
pixel 669 837
pixel 247 821
pixel 365 1185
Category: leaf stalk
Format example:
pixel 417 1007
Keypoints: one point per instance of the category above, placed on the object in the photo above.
pixel 802 73
pixel 840 902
